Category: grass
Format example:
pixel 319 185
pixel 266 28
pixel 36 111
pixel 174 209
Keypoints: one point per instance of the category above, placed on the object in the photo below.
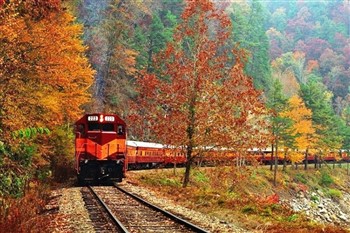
pixel 246 196
pixel 334 193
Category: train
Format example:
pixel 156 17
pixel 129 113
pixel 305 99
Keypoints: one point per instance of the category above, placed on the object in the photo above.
pixel 100 148
pixel 103 153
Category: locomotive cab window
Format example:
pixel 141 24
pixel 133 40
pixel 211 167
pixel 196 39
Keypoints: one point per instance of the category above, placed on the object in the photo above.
pixel 93 126
pixel 120 130
pixel 80 129
pixel 108 127
pixel 100 127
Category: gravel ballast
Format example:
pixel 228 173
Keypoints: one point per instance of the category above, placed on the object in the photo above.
pixel 72 216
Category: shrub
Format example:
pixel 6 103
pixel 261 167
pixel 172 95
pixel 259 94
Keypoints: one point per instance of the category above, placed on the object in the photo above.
pixel 292 218
pixel 200 177
pixel 326 179
pixel 249 209
pixel 62 158
pixel 334 193
pixel 314 198
pixel 21 214
pixel 301 178
pixel 170 182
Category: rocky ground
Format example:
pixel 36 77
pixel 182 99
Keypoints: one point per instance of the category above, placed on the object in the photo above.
pixel 318 207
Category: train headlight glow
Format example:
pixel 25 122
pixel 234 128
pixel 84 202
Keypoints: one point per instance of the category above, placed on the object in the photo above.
pixel 109 118
pixel 92 118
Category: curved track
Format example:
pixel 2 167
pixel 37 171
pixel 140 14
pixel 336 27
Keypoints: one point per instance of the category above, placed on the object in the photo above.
pixel 132 214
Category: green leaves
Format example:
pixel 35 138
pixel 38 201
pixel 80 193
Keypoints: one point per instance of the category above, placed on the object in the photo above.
pixel 30 133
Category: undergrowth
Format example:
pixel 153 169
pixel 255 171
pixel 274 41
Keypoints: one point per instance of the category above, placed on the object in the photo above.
pixel 247 195
pixel 26 214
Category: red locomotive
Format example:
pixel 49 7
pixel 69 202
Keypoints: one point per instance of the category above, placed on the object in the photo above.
pixel 100 148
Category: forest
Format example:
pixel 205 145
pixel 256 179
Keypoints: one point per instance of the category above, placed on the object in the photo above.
pixel 238 74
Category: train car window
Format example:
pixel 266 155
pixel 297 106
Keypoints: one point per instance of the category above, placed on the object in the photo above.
pixel 120 130
pixel 108 127
pixel 93 126
pixel 80 128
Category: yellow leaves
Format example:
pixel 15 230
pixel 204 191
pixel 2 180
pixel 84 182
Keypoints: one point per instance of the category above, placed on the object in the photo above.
pixel 298 111
pixel 126 59
pixel 44 73
pixel 296 156
pixel 302 128
pixel 297 55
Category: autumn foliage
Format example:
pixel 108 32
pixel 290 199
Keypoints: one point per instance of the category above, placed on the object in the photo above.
pixel 44 74
pixel 201 99
pixel 44 78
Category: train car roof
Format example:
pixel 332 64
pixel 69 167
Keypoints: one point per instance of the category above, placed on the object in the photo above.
pixel 145 144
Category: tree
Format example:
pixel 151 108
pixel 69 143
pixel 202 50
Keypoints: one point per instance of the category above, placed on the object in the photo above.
pixel 300 26
pixel 326 123
pixel 278 19
pixel 154 38
pixel 302 128
pixel 43 84
pixel 109 33
pixel 285 74
pixel 280 125
pixel 249 34
pixel 199 102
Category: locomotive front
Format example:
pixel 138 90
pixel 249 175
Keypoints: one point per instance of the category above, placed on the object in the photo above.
pixel 100 148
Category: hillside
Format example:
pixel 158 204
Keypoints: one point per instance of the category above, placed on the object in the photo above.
pixel 198 76
pixel 302 201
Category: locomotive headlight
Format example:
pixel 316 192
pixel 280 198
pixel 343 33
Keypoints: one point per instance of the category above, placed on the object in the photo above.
pixel 92 118
pixel 101 118
pixel 109 118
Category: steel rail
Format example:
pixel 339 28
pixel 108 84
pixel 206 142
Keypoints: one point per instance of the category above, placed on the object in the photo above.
pixel 166 213
pixel 114 219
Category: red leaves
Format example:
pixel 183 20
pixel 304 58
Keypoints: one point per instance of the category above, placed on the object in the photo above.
pixel 268 200
pixel 196 100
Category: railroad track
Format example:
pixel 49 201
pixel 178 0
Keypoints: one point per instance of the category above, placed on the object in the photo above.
pixel 116 210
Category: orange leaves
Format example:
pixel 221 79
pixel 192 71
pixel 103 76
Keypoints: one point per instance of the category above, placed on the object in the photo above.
pixel 44 73
pixel 198 100
pixel 312 65
pixel 269 200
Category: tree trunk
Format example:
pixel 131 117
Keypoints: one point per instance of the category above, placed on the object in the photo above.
pixel 187 173
pixel 276 161
pixel 272 152
pixel 306 158
pixel 284 161
pixel 175 168
pixel 316 161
